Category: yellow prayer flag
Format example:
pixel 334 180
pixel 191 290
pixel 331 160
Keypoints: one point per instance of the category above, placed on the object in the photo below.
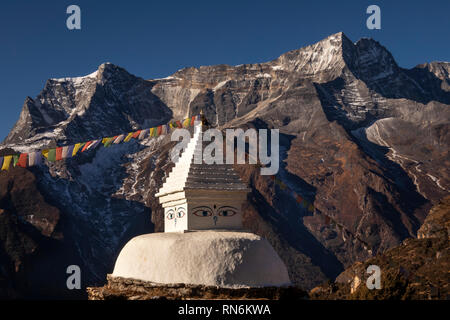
pixel 45 153
pixel 6 162
pixel 76 148
pixel 128 137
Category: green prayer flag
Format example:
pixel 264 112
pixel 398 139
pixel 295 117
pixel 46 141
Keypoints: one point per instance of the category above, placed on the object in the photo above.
pixel 51 155
pixel 16 159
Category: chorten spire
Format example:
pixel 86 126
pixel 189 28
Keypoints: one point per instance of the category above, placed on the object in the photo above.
pixel 199 196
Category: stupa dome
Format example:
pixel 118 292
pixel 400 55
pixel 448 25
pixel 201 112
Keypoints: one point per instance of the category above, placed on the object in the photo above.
pixel 230 259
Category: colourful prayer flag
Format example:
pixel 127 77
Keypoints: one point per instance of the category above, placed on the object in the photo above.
pixel 6 162
pixel 119 139
pixel 311 208
pixel 65 149
pixel 86 145
pixel 58 153
pixel 136 134
pixel 76 148
pixel 23 159
pixel 110 141
pixel 15 159
pixel 299 199
pixel 193 120
pixel 107 141
pixel 68 151
pixel 143 134
pixel 32 158
pixel 51 155
pixel 94 144
pixel 159 130
pixel 186 123
pixel 37 158
pixel 128 138
pixel 178 123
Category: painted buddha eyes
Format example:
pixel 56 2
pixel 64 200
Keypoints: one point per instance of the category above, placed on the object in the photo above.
pixel 203 212
pixel 224 211
pixel 170 214
pixel 178 214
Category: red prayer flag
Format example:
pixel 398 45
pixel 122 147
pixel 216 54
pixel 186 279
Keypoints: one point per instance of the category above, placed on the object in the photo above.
pixel 136 134
pixel 193 120
pixel 299 199
pixel 23 160
pixel 59 153
pixel 86 145
pixel 159 130
pixel 179 125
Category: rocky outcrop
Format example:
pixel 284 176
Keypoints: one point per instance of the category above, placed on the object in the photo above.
pixel 29 228
pixel 417 269
pixel 437 223
pixel 130 289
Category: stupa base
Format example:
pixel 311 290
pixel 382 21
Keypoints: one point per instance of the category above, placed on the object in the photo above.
pixel 119 288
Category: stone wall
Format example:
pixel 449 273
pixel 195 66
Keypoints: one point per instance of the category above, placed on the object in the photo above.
pixel 131 289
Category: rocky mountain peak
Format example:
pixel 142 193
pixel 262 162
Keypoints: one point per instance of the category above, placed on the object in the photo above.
pixel 111 72
pixel 106 102
pixel 439 69
pixel 370 61
pixel 324 55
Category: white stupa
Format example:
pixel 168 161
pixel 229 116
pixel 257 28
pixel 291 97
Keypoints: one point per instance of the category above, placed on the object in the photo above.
pixel 203 242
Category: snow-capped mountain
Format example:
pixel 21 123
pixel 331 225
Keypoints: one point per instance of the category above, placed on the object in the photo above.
pixel 107 102
pixel 363 139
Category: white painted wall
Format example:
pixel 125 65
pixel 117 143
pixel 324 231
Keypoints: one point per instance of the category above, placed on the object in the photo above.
pixel 176 218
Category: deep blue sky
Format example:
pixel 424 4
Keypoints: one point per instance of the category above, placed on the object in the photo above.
pixel 156 38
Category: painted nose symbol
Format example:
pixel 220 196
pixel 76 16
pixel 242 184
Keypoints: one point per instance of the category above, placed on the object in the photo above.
pixel 215 220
